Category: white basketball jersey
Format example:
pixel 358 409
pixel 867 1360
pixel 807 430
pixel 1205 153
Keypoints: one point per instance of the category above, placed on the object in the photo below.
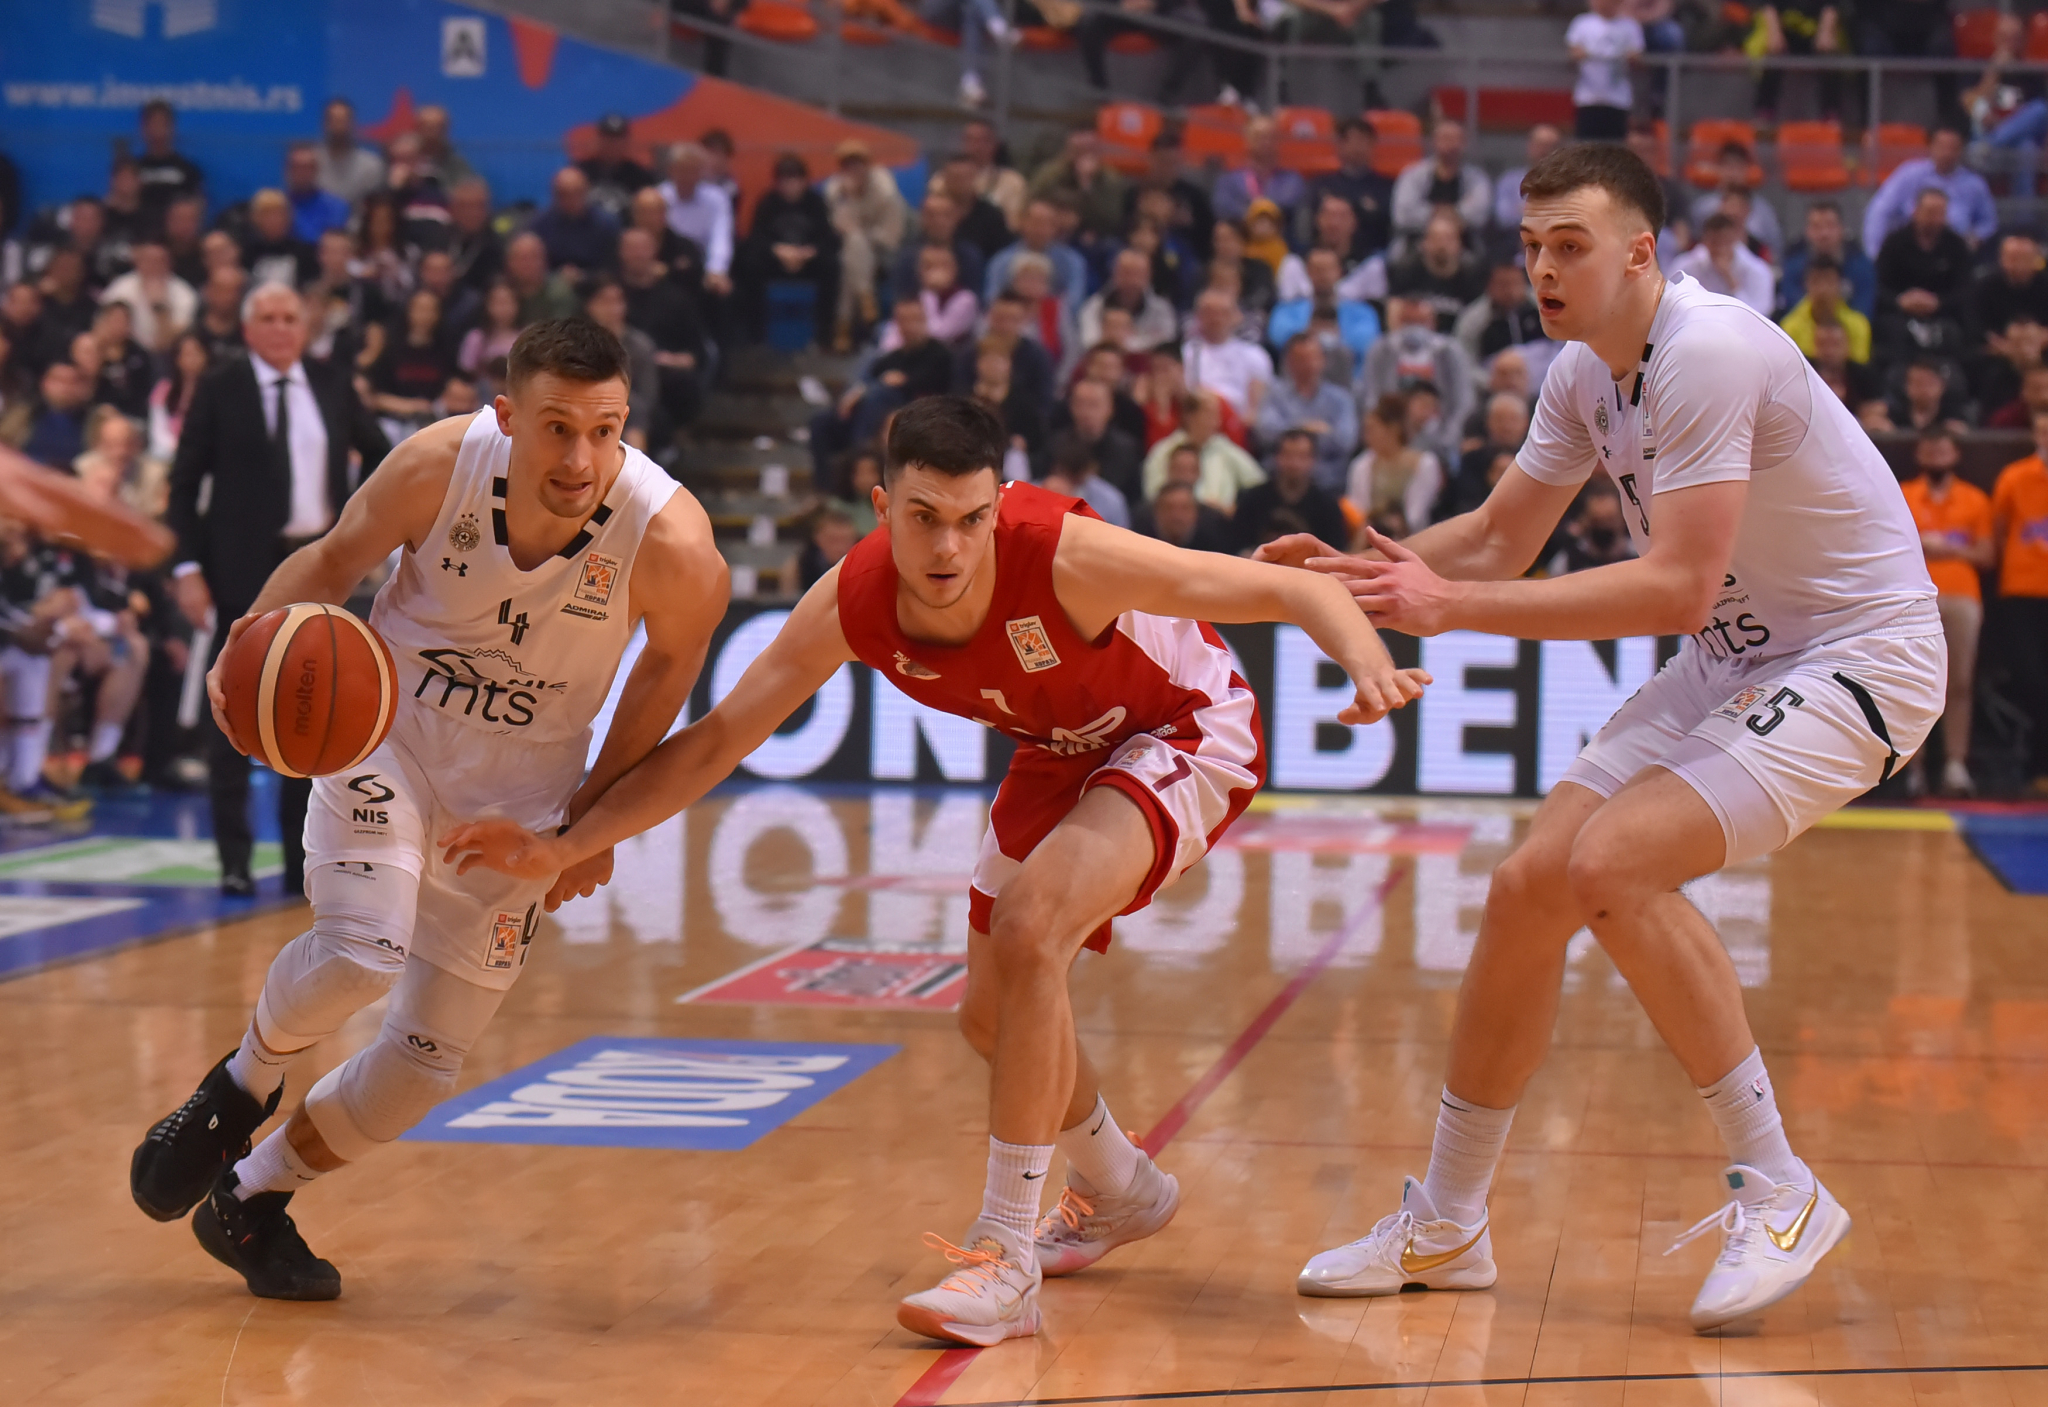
pixel 530 654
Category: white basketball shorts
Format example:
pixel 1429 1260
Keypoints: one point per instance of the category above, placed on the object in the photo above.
pixel 1774 744
pixel 428 776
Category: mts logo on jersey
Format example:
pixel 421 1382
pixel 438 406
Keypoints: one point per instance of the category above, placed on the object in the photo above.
pixel 370 787
pixel 462 684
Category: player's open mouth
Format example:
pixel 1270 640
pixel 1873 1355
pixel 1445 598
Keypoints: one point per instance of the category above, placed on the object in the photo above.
pixel 1549 307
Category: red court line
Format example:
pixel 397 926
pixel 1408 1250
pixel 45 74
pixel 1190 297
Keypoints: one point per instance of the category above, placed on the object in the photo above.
pixel 935 1380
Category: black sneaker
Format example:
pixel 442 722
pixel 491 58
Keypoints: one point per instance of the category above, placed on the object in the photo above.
pixel 180 1156
pixel 258 1241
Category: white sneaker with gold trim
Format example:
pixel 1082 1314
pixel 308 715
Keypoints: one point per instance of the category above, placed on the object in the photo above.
pixel 1414 1246
pixel 1772 1236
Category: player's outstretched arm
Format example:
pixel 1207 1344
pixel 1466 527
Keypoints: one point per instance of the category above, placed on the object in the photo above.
pixel 796 664
pixel 58 506
pixel 1102 571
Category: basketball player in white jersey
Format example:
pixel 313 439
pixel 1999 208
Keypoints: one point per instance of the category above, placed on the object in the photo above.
pixel 531 541
pixel 1772 534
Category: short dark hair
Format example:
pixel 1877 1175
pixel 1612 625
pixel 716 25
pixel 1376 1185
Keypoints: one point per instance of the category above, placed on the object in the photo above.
pixel 1626 177
pixel 1358 124
pixel 790 164
pixel 1296 433
pixel 718 140
pixel 1933 364
pixel 1823 264
pixel 952 435
pixel 1826 207
pixel 1729 149
pixel 1169 350
pixel 575 349
pixel 1938 430
pixel 1072 456
pixel 157 107
pixel 1717 222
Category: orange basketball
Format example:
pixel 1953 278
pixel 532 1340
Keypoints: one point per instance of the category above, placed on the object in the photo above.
pixel 310 690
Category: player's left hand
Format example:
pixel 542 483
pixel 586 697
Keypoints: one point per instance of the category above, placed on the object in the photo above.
pixel 580 880
pixel 1379 694
pixel 1400 593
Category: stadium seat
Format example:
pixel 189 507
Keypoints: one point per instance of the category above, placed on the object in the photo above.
pixel 1810 156
pixel 1400 140
pixel 778 20
pixel 2037 37
pixel 1214 132
pixel 1044 39
pixel 1127 131
pixel 932 34
pixel 1508 109
pixel 1976 33
pixel 1893 144
pixel 1132 42
pixel 1702 161
pixel 1308 140
pixel 867 36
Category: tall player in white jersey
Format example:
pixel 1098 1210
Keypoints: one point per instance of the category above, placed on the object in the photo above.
pixel 531 541
pixel 1773 535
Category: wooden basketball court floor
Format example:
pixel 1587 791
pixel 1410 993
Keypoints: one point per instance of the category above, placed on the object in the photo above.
pixel 1278 1023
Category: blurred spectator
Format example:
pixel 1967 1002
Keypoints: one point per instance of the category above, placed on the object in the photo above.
pixel 1925 398
pixel 183 230
pixel 1255 286
pixel 1109 365
pixel 1176 516
pixel 17 396
pixel 2015 284
pixel 976 22
pixel 2008 110
pixel 1595 532
pixel 665 311
pixel 1441 178
pixel 833 535
pixel 701 212
pixel 1392 485
pixel 1797 27
pixel 166 174
pixel 1078 176
pixel 272 251
pixel 1217 359
pixel 475 250
pixel 1923 273
pixel 1360 186
pixel 1507 188
pixel 1439 270
pixel 614 175
pixel 1188 213
pixel 1504 316
pixel 128 224
pixel 1264 241
pixel 681 261
pixel 853 487
pixel 68 300
pixel 1261 177
pixel 1967 206
pixel 33 343
pixel 1955 522
pixel 1088 417
pixel 1291 501
pixel 1336 23
pixel 1412 351
pixel 2033 398
pixel 1760 225
pixel 717 49
pixel 869 213
pixel 1047 320
pixel 580 235
pixel 791 240
pixel 160 304
pixel 2019 510
pixel 1240 66
pixel 219 324
pixel 381 256
pixel 347 169
pixel 951 310
pixel 1723 264
pixel 542 294
pixel 604 303
pixel 416 362
pixel 57 434
pixel 1859 385
pixel 1166 389
pixel 718 157
pixel 113 461
pixel 1504 424
pixel 1096 27
pixel 1918 29
pixel 1003 326
pixel 1038 233
pixel 1130 288
pixel 1302 400
pixel 1223 470
pixel 995 388
pixel 1074 472
pixel 918 366
pixel 1825 234
pixel 1171 259
pixel 416 194
pixel 439 161
pixel 1335 228
pixel 994 181
pixel 339 306
pixel 460 305
pixel 491 340
pixel 967 217
pixel 315 209
pixel 1825 301
pixel 1603 42
pixel 172 396
pixel 1677 234
pixel 126 371
pixel 1998 375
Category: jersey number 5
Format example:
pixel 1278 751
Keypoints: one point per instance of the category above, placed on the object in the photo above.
pixel 1760 725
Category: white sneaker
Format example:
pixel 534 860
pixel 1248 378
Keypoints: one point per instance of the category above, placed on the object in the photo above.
pixel 972 94
pixel 1085 1227
pixel 992 1296
pixel 813 391
pixel 999 29
pixel 1414 1246
pixel 1772 1236
pixel 1955 778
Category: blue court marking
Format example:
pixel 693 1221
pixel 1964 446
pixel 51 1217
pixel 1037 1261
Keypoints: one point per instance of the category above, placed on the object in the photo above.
pixel 2015 848
pixel 628 1092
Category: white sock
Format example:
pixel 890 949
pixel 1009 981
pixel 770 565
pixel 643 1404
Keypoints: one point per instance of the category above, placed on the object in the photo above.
pixel 274 1166
pixel 106 740
pixel 1016 1171
pixel 1100 1158
pixel 31 744
pixel 256 1068
pixel 1468 1144
pixel 1745 1110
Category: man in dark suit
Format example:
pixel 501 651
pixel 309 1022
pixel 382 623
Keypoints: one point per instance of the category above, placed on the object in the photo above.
pixel 273 437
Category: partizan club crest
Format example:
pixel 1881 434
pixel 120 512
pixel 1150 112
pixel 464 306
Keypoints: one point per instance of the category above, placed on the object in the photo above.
pixel 1600 417
pixel 465 535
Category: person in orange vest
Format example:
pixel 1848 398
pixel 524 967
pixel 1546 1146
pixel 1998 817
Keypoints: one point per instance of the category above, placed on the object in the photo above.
pixel 2019 510
pixel 1954 519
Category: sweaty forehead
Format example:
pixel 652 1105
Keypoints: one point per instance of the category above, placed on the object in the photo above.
pixel 1589 208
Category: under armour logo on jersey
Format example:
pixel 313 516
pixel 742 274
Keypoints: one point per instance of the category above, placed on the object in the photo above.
pixel 1089 736
pixel 518 622
pixel 449 564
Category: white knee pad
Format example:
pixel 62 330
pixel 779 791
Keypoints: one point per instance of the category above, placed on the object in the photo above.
pixel 389 1085
pixel 353 954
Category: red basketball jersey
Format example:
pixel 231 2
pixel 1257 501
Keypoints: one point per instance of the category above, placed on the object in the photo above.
pixel 1028 673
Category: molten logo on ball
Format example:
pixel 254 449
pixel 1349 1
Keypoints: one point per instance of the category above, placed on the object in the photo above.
pixel 309 690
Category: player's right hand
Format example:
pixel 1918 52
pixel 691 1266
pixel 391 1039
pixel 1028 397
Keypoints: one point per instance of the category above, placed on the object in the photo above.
pixel 1381 692
pixel 1294 550
pixel 504 846
pixel 216 689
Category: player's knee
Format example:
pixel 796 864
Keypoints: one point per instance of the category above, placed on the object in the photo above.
pixel 1599 874
pixel 1023 927
pixel 1530 881
pixel 978 1027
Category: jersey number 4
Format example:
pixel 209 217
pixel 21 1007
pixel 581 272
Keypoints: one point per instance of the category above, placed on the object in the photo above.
pixel 1628 486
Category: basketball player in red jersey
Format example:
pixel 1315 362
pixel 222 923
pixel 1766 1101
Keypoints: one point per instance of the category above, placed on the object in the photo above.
pixel 1137 746
pixel 59 507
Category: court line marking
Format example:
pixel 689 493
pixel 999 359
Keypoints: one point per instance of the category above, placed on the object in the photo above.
pixel 1195 1394
pixel 933 1383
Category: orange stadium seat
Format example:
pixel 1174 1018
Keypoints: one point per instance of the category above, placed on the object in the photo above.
pixel 1810 156
pixel 1400 140
pixel 1892 145
pixel 1702 160
pixel 2037 37
pixel 1127 131
pixel 1308 140
pixel 778 20
pixel 1132 42
pixel 1044 39
pixel 1214 131
pixel 1976 33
